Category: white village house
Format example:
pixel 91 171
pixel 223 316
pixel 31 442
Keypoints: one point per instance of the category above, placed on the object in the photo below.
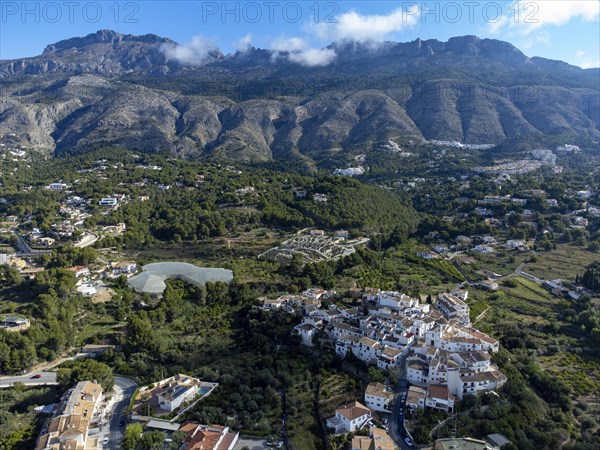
pixel 349 418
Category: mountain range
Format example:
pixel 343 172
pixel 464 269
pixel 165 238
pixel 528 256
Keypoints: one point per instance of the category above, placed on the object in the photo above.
pixel 149 94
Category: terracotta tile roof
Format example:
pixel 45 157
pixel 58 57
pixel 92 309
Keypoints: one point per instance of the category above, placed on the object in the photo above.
pixel 353 410
pixel 382 440
pixel 380 390
pixel 437 391
pixel 362 443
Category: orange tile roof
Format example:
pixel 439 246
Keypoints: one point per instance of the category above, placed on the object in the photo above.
pixel 353 410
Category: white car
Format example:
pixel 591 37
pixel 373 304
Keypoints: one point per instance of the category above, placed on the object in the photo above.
pixel 105 441
pixel 408 441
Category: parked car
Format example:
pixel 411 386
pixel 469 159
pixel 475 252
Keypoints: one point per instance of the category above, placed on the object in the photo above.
pixel 36 376
pixel 105 441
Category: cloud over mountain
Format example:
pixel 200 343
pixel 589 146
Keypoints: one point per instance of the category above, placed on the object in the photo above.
pixel 196 53
pixel 358 27
pixel 297 50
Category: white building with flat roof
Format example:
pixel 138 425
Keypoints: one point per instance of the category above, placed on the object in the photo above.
pixel 379 397
pixel 453 307
pixel 108 201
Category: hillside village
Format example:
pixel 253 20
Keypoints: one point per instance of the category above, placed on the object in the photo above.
pixel 444 356
pixel 414 349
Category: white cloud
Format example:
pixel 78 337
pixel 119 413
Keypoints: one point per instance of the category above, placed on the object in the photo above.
pixel 584 61
pixel 541 38
pixel 525 16
pixel 313 57
pixel 196 53
pixel 357 27
pixel 299 51
pixel 294 44
pixel 244 44
pixel 348 26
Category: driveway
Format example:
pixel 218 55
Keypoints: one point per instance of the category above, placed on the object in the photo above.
pixel 251 443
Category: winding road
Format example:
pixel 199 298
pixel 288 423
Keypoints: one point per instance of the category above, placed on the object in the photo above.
pixel 86 240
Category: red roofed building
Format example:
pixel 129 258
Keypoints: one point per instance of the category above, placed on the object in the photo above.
pixel 350 417
pixel 80 271
pixel 208 437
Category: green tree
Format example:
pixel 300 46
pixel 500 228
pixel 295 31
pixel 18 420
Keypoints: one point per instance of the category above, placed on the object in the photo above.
pixel 375 375
pixel 87 370
pixel 132 436
pixel 152 440
pixel 10 276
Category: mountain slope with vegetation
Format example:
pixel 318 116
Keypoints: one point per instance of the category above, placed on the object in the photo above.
pixel 254 106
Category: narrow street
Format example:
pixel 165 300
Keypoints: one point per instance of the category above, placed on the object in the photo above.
pixel 23 249
pixel 114 419
pixel 397 431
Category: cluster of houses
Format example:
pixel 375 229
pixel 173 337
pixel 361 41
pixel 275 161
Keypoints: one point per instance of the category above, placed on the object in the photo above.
pixel 86 279
pixel 78 412
pixel 300 193
pixel 350 171
pixel 480 245
pixel 355 416
pixel 456 144
pixel 78 419
pixel 72 214
pixel 446 357
pixel 451 361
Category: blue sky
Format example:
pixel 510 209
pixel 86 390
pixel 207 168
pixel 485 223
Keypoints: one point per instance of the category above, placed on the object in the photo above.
pixel 556 29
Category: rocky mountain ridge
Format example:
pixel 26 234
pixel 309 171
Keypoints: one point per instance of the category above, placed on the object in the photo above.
pixel 131 91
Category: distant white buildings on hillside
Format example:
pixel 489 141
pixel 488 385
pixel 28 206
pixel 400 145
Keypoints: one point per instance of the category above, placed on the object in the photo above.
pixel 456 144
pixel 350 171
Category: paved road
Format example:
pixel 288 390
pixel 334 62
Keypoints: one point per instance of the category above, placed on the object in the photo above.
pixel 87 240
pixel 532 277
pixel 23 249
pixel 122 392
pixel 518 271
pixel 397 432
pixel 46 378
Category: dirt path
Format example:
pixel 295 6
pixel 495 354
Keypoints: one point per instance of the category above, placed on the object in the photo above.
pixel 481 316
